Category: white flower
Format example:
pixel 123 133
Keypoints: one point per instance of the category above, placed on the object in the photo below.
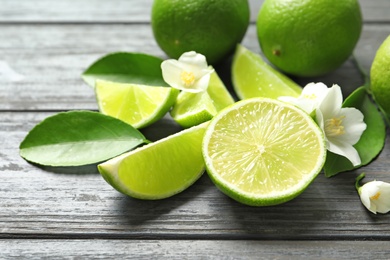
pixel 342 127
pixel 375 195
pixel 310 98
pixel 189 73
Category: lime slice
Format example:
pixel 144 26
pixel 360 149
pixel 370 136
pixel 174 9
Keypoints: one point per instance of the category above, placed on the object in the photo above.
pixel 263 152
pixel 192 109
pixel 253 77
pixel 137 105
pixel 158 170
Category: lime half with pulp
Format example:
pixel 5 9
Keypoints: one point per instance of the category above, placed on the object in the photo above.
pixel 263 152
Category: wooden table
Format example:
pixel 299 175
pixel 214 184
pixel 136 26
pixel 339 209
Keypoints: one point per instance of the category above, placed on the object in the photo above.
pixel 74 213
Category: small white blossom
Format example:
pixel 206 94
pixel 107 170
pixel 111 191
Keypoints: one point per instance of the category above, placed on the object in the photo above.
pixel 310 98
pixel 375 195
pixel 342 127
pixel 189 73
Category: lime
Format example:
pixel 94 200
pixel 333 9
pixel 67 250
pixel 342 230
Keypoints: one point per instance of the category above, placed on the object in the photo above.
pixel 311 37
pixel 158 170
pixel 192 109
pixel 253 77
pixel 263 152
pixel 218 92
pixel 380 76
pixel 137 105
pixel 212 28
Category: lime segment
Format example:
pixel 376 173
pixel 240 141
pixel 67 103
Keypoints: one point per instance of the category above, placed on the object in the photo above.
pixel 263 152
pixel 160 169
pixel 192 109
pixel 137 105
pixel 253 77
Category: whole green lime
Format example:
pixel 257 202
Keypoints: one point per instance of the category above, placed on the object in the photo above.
pixel 210 27
pixel 380 76
pixel 308 37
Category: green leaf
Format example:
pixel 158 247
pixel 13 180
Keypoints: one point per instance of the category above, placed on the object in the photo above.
pixel 125 67
pixel 371 142
pixel 78 138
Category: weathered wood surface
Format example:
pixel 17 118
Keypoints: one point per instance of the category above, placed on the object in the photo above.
pixel 52 57
pixel 199 249
pixel 72 212
pixel 125 11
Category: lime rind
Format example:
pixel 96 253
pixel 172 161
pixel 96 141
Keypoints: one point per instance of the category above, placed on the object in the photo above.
pixel 158 170
pixel 137 105
pixel 193 109
pixel 232 189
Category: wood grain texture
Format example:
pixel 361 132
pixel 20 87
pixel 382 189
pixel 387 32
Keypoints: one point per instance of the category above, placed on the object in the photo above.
pixel 73 213
pixel 44 202
pixel 193 249
pixel 52 57
pixel 126 11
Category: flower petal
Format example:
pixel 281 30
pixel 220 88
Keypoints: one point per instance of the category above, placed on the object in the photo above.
pixel 332 102
pixel 344 149
pixel 315 91
pixel 353 123
pixel 383 202
pixel 195 59
pixel 171 70
pixel 202 84
pixel 365 198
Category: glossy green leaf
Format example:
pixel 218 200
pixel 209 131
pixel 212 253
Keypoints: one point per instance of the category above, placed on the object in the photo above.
pixel 125 67
pixel 78 138
pixel 371 142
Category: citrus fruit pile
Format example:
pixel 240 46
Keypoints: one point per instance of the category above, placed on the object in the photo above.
pixel 259 151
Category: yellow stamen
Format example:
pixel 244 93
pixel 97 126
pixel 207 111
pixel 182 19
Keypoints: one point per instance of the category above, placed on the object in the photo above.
pixel 334 127
pixel 376 196
pixel 188 78
pixel 310 96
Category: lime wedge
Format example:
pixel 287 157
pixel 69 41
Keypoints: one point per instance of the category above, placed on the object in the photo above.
pixel 137 105
pixel 253 77
pixel 218 92
pixel 192 109
pixel 263 152
pixel 158 170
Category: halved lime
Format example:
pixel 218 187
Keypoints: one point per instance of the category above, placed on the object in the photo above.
pixel 158 170
pixel 192 109
pixel 137 105
pixel 263 152
pixel 253 77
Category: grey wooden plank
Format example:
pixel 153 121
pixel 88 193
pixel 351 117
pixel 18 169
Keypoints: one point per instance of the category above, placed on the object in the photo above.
pixel 178 249
pixel 126 11
pixel 52 57
pixel 72 203
pixel 75 11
